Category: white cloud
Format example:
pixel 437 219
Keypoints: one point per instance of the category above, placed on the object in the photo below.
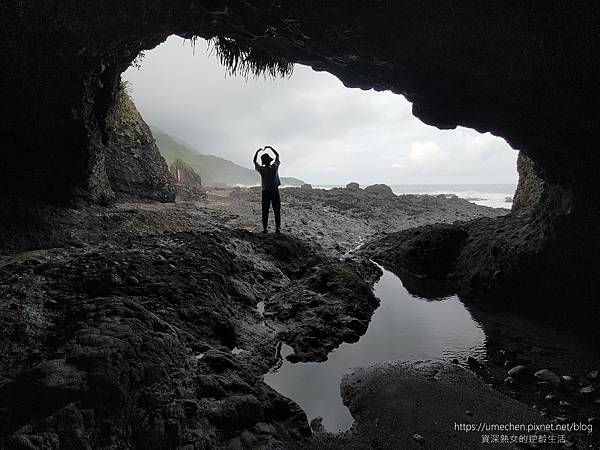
pixel 425 153
pixel 325 132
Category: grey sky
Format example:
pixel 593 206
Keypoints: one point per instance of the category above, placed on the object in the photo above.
pixel 325 132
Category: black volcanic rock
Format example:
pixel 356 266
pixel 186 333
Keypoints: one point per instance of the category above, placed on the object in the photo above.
pixel 187 181
pixel 134 166
pixel 87 357
pixel 530 188
pixel 380 189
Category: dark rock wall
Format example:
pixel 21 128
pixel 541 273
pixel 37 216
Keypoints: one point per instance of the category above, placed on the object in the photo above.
pixel 187 181
pixel 134 166
pixel 530 188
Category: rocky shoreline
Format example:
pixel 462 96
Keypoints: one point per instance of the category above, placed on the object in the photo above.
pixel 137 325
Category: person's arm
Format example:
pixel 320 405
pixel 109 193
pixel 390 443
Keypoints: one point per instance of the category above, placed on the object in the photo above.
pixel 274 151
pixel 256 165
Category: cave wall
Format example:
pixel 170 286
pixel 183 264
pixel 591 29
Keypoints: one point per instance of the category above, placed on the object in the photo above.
pixel 530 187
pixel 134 166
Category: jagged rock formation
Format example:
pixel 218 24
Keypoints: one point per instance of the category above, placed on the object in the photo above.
pixel 530 188
pixel 131 345
pixel 134 166
pixel 379 189
pixel 187 181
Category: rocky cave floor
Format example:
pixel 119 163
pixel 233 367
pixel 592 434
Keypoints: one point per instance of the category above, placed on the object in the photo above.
pixel 136 326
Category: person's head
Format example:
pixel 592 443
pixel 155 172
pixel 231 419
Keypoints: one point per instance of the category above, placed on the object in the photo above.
pixel 266 159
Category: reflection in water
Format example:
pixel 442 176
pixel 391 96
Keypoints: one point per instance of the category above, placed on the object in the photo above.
pixel 402 328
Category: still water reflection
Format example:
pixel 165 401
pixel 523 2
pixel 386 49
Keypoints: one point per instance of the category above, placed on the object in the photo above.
pixel 404 327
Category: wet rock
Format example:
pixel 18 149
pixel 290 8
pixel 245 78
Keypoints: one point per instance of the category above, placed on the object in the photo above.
pixel 294 357
pixel 218 361
pixel 380 189
pixel 419 439
pixel 187 182
pixel 264 428
pixel 474 364
pixel 249 440
pixel 326 306
pixel 134 167
pixel 45 388
pixel 428 252
pixel 133 281
pixel 208 386
pixel 236 412
pixel 425 399
pixel 522 374
pixel 317 425
pixel 530 187
pixel 548 376
pixel 508 364
pixel 142 351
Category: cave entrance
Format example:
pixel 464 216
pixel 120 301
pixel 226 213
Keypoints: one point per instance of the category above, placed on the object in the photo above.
pixel 328 135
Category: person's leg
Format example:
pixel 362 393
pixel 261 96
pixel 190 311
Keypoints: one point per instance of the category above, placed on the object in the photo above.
pixel 265 209
pixel 277 208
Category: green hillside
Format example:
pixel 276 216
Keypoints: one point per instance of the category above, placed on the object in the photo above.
pixel 214 171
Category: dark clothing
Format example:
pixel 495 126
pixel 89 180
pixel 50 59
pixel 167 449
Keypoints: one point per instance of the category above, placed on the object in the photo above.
pixel 268 197
pixel 269 175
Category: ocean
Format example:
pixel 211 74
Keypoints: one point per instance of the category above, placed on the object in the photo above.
pixel 492 195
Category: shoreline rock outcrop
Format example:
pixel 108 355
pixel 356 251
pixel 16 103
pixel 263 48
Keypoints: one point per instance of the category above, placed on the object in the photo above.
pixel 188 183
pixel 134 166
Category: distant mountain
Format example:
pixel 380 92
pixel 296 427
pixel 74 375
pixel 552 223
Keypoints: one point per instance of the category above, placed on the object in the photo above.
pixel 213 170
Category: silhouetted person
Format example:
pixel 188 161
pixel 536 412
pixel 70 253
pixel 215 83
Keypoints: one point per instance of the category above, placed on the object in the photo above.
pixel 269 175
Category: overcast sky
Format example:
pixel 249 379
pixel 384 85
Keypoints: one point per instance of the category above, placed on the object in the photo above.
pixel 325 132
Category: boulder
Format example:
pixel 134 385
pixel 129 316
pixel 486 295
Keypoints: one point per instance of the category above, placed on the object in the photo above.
pixel 187 181
pixel 134 166
pixel 548 376
pixel 530 188
pixel 522 374
pixel 353 186
pixel 380 189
